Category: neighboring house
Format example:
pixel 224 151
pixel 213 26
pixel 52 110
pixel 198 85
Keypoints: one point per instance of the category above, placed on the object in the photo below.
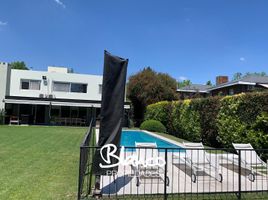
pixel 193 91
pixel 56 96
pixel 224 87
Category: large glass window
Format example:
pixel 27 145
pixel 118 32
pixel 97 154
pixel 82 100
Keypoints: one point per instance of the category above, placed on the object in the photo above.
pixel 77 87
pixel 25 85
pixel 61 87
pixel 30 84
pixel 231 91
pixel 70 87
pixel 34 85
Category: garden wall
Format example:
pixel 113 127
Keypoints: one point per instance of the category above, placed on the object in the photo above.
pixel 216 121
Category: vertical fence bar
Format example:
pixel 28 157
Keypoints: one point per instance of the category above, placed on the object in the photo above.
pixel 80 176
pixel 88 171
pixel 84 165
pixel 91 152
pixel 165 182
pixel 239 174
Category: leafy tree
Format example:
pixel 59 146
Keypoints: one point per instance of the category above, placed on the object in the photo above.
pixel 19 65
pixel 209 83
pixel 147 87
pixel 184 83
pixel 237 75
pixel 255 73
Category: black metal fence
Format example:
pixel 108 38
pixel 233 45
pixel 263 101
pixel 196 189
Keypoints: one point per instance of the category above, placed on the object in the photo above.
pixel 85 178
pixel 179 173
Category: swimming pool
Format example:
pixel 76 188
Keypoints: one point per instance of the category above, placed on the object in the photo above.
pixel 128 139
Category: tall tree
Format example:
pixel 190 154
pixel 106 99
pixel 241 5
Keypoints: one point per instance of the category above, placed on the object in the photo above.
pixel 184 83
pixel 209 83
pixel 237 75
pixel 19 65
pixel 255 73
pixel 147 87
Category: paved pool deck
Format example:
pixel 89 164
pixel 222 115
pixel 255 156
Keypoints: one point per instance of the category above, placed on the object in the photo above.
pixel 179 174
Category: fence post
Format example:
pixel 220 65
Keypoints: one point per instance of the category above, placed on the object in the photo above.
pixel 239 174
pixel 80 176
pixel 165 180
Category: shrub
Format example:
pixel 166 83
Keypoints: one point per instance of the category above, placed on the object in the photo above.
pixel 216 121
pixel 231 129
pixel 131 123
pixel 258 134
pixel 239 117
pixel 208 109
pixel 2 116
pixel 175 119
pixel 189 121
pixel 161 111
pixel 153 125
pixel 186 120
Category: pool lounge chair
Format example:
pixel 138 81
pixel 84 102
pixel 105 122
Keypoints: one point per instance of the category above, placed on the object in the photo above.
pixel 198 160
pixel 249 160
pixel 144 152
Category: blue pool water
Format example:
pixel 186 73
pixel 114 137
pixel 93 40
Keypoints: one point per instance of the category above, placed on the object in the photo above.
pixel 128 139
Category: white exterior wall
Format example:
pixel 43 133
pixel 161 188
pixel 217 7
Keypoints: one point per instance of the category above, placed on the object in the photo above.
pixel 92 81
pixel 4 82
pixel 57 69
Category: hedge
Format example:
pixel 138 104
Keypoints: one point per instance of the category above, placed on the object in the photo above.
pixel 2 116
pixel 186 121
pixel 161 111
pixel 153 125
pixel 239 117
pixel 216 121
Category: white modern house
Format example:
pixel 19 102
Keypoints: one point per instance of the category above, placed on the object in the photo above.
pixel 56 96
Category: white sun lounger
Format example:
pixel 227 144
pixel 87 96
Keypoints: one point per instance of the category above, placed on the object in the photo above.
pixel 198 160
pixel 145 152
pixel 249 160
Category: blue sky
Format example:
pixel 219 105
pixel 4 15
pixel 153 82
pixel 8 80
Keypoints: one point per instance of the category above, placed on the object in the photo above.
pixel 195 39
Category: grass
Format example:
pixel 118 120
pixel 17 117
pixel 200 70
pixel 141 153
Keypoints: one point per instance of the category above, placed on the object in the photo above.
pixel 39 162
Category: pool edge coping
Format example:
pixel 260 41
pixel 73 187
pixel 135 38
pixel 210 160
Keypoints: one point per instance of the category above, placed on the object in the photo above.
pixel 160 137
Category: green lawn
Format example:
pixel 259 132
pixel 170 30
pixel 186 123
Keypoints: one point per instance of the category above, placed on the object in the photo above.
pixel 39 162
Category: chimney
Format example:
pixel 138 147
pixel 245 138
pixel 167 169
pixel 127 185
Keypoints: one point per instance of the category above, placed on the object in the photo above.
pixel 221 80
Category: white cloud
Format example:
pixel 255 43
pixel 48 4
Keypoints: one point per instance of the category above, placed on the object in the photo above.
pixel 242 59
pixel 3 23
pixel 59 2
pixel 183 78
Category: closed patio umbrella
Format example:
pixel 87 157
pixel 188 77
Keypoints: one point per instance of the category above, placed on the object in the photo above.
pixel 112 107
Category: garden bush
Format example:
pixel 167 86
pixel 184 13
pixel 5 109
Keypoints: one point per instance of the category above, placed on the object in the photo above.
pixel 208 109
pixel 153 125
pixel 186 121
pixel 2 116
pixel 240 117
pixel 230 128
pixel 161 111
pixel 216 121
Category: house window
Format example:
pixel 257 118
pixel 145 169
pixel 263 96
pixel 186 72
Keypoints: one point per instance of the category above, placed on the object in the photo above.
pixel 30 84
pixel 78 87
pixel 250 87
pixel 61 87
pixel 25 85
pixel 69 87
pixel 231 91
pixel 100 88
